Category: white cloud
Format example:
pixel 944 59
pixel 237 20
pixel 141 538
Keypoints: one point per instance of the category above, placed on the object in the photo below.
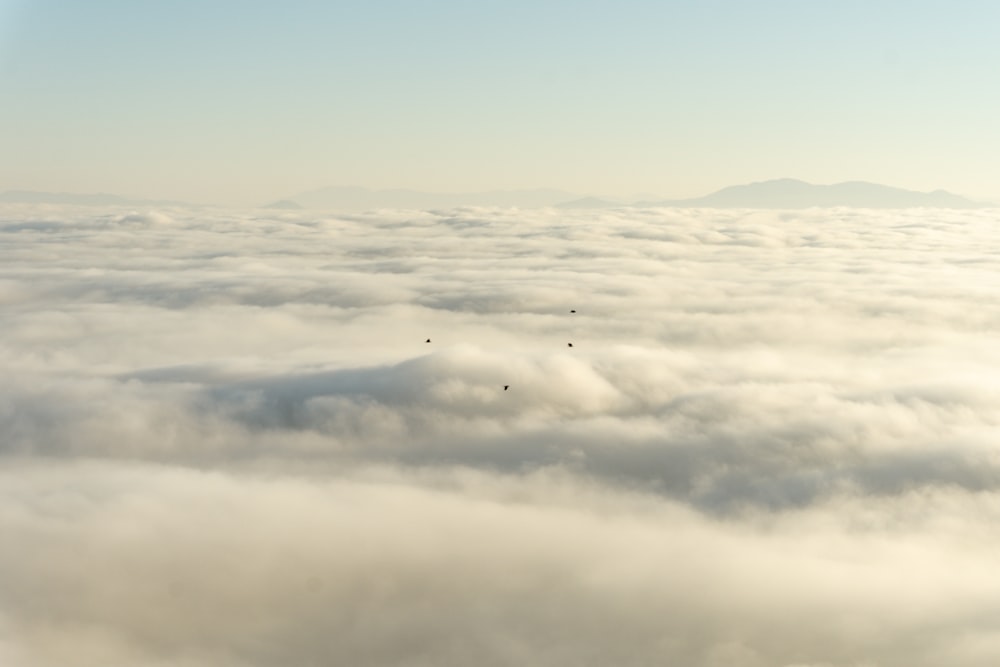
pixel 137 563
pixel 227 443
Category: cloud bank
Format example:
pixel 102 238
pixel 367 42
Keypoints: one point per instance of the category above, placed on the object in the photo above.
pixel 772 442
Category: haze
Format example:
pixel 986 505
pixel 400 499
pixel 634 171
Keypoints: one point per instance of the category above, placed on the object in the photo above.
pixel 242 103
pixel 749 419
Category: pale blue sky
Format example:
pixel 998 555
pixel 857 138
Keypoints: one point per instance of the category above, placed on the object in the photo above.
pixel 239 102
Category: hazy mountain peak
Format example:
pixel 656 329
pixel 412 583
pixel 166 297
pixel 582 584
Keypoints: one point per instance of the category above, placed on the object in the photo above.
pixel 80 199
pixel 794 193
pixel 353 198
pixel 284 204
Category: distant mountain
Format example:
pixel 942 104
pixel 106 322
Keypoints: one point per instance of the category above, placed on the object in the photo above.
pixel 591 202
pixel 74 199
pixel 361 199
pixel 792 193
pixel 284 204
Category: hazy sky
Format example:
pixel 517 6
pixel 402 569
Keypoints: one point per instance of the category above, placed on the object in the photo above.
pixel 242 101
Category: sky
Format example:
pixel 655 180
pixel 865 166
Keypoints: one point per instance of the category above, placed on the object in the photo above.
pixel 239 103
pixel 225 442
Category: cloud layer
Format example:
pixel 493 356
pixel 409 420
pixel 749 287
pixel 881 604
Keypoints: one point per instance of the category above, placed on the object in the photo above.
pixel 772 442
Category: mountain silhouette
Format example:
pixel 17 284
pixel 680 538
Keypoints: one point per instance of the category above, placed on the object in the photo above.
pixel 591 202
pixel 75 199
pixel 792 193
pixel 360 199
pixel 284 204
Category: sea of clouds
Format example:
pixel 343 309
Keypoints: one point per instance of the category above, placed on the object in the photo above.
pixel 224 441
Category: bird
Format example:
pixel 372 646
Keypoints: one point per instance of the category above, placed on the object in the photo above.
pixel 506 387
pixel 572 311
pixel 428 340
pixel 569 344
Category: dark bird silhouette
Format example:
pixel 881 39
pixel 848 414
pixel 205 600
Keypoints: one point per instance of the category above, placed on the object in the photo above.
pixel 428 340
pixel 572 311
pixel 506 387
pixel 570 344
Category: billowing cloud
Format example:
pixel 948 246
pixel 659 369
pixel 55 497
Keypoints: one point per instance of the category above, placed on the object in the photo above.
pixel 226 441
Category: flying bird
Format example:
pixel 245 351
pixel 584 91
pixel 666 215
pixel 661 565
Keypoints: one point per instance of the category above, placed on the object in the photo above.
pixel 570 344
pixel 428 340
pixel 506 387
pixel 572 311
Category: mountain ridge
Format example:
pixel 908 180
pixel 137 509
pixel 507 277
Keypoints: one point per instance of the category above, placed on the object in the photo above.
pixel 775 194
pixel 794 193
pixel 358 198
pixel 82 199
